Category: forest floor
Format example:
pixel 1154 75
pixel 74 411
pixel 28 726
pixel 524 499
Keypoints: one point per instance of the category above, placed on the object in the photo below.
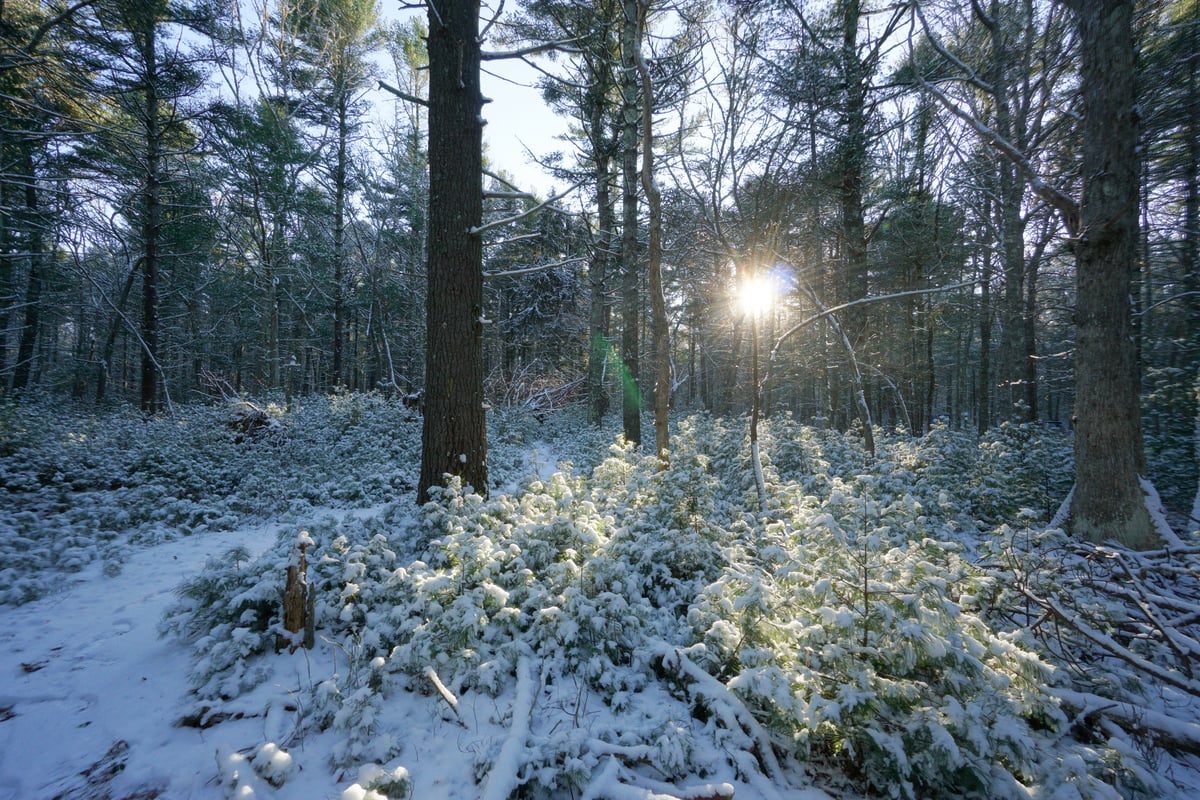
pixel 599 629
pixel 93 698
pixel 90 697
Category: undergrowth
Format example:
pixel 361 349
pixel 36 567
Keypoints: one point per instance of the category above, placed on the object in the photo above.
pixel 859 632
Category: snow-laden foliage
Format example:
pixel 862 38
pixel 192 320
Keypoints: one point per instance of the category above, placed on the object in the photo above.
pixel 846 634
pixel 79 488
pixel 855 632
pixel 604 625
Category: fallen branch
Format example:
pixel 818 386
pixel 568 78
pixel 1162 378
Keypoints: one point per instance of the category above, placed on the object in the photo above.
pixel 1167 731
pixel 503 779
pixel 1111 646
pixel 615 782
pixel 723 702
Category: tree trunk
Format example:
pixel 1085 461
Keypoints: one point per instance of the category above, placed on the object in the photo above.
pixel 454 435
pixel 1109 457
pixel 985 347
pixel 1009 223
pixel 33 290
pixel 1030 325
pixel 339 243
pixel 598 319
pixel 853 282
pixel 658 304
pixel 151 224
pixel 113 329
pixel 631 393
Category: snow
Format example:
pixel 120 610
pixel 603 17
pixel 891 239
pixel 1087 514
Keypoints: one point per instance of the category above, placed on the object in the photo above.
pixel 629 631
pixel 503 779
pixel 85 670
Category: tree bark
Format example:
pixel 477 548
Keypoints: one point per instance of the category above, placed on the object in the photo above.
pixel 113 329
pixel 339 241
pixel 151 224
pixel 1009 223
pixel 600 311
pixel 1109 456
pixel 33 290
pixel 852 165
pixel 631 393
pixel 658 304
pixel 454 435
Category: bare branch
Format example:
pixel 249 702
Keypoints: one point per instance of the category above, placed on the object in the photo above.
pixel 475 230
pixel 971 76
pixel 513 273
pixel 859 302
pixel 561 45
pixel 403 95
pixel 488 195
pixel 1056 198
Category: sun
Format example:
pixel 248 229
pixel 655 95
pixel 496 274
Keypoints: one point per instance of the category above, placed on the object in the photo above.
pixel 757 294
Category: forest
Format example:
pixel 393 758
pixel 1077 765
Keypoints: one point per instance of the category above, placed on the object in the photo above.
pixel 905 293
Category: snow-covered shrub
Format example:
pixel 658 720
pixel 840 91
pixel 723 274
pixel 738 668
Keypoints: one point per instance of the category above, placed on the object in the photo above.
pixel 229 613
pixel 660 616
pixel 80 487
pixel 499 577
pixel 853 634
pixel 664 541
pixel 272 763
pixel 1021 466
pixel 376 783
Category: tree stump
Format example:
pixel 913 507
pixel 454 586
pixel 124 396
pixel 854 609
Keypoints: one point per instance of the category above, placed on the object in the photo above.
pixel 295 599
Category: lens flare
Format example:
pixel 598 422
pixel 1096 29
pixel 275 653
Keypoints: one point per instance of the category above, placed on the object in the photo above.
pixel 757 294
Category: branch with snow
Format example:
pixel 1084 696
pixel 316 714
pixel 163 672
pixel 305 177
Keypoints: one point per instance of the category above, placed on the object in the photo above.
pixel 615 782
pixel 475 230
pixel 503 779
pixel 1168 731
pixel 1108 644
pixel 444 693
pixel 727 706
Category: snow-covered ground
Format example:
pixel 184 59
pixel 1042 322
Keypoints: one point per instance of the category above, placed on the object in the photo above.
pixel 89 692
pixel 604 631
pixel 92 700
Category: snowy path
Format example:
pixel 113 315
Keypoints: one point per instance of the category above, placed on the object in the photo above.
pixel 84 674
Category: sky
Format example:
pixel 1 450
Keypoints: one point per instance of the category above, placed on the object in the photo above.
pixel 519 121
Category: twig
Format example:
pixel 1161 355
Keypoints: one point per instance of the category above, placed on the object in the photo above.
pixel 444 693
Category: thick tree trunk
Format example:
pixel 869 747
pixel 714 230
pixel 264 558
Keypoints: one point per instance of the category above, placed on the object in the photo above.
pixel 151 225
pixel 33 290
pixel 598 319
pixel 454 436
pixel 1109 457
pixel 631 393
pixel 1190 249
